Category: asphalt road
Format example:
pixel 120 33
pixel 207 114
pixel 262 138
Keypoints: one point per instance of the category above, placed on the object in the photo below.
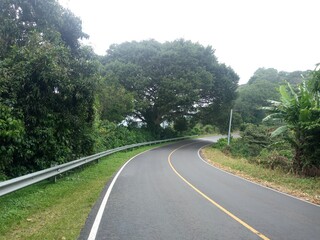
pixel 171 193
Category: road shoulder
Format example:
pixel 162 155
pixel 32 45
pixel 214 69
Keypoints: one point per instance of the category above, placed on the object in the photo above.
pixel 212 157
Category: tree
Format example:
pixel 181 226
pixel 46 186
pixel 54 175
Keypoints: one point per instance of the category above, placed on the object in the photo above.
pixel 252 97
pixel 114 102
pixel 261 87
pixel 46 86
pixel 269 75
pixel 170 81
pixel 19 18
pixel 299 110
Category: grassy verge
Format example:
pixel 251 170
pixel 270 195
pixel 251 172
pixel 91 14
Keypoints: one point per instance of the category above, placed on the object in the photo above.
pixel 305 188
pixel 59 210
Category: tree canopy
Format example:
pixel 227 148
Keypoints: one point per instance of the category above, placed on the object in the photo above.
pixel 262 86
pixel 172 80
pixel 46 86
pixel 19 18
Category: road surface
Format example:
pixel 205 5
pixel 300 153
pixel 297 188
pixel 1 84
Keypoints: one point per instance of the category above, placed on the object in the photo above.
pixel 171 193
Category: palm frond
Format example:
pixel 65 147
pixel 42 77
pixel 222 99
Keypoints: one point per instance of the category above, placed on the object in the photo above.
pixel 293 92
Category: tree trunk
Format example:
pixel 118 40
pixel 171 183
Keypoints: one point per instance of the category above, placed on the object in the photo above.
pixel 153 121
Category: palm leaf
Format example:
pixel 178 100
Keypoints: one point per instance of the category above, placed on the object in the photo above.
pixel 293 92
pixel 285 97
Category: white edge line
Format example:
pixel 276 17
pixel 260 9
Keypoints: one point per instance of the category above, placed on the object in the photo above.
pixel 95 226
pixel 286 194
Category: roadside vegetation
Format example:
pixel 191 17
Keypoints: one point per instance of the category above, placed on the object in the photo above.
pixel 60 101
pixel 306 188
pixel 49 210
pixel 283 151
pixel 288 134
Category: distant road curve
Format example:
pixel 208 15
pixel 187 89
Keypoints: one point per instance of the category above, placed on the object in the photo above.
pixel 171 193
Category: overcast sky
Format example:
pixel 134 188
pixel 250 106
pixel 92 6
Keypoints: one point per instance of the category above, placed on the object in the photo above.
pixel 245 34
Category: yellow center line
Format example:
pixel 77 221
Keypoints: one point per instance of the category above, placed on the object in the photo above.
pixel 212 201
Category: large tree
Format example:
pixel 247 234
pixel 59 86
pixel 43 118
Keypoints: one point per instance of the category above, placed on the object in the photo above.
pixel 21 17
pixel 46 86
pixel 170 81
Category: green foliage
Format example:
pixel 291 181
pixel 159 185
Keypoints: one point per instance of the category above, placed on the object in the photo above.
pixel 314 83
pixel 262 74
pixel 221 143
pixel 11 137
pixel 19 18
pixel 181 124
pixel 170 81
pixel 237 147
pixel 200 129
pixel 299 110
pixel 253 140
pixel 53 92
pixel 252 97
pixel 261 87
pixel 275 159
pixel 109 135
pixel 256 138
pixel 273 76
pixel 114 103
pixel 46 87
pixel 256 145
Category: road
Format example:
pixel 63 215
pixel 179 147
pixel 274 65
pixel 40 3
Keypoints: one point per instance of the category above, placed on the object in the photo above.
pixel 171 193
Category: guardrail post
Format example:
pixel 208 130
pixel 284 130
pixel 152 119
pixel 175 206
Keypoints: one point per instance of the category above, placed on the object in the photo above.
pixel 54 178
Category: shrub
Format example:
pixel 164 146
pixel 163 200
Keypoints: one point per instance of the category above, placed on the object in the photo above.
pixel 256 146
pixel 199 129
pixel 221 143
pixel 110 135
pixel 255 138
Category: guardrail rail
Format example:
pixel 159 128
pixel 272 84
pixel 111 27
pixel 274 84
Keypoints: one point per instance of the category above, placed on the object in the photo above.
pixel 29 179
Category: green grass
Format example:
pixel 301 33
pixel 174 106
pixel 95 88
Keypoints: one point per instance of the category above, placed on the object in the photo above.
pixel 58 210
pixel 305 188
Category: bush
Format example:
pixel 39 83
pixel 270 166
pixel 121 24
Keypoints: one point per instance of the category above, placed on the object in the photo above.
pixel 257 147
pixel 273 159
pixel 11 136
pixel 199 129
pixel 255 138
pixel 110 135
pixel 221 143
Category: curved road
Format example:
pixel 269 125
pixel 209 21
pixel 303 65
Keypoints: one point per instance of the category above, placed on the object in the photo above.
pixel 171 193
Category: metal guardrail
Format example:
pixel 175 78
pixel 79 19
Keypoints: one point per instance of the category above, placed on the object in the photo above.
pixel 29 179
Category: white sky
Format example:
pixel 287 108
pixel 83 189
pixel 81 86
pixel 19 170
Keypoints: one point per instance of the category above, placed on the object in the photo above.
pixel 246 34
